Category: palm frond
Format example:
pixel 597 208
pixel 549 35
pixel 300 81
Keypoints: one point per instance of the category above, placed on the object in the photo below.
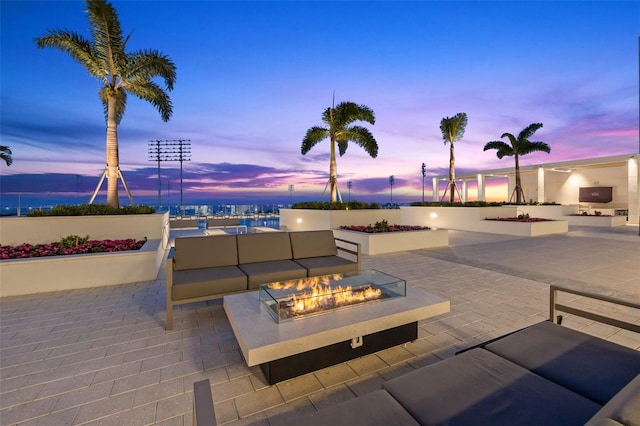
pixel 362 137
pixel 148 64
pixel 453 128
pixel 501 147
pixel 152 93
pixel 79 48
pixel 314 135
pixel 5 155
pixel 346 113
pixel 529 147
pixel 108 40
pixel 528 131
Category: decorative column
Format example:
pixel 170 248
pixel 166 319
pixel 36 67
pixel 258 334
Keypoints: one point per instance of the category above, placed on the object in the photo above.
pixel 465 191
pixel 633 177
pixel 434 185
pixel 541 185
pixel 481 190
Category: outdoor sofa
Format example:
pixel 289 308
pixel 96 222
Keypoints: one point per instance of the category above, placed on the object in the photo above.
pixel 210 267
pixel 546 374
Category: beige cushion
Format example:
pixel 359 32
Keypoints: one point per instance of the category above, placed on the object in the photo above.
pixel 267 272
pixel 327 265
pixel 207 282
pixel 223 222
pixel 623 408
pixel 306 244
pixel 265 247
pixel 205 252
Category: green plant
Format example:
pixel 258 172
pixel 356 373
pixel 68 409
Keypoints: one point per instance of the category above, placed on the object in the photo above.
pixel 523 216
pixel 597 213
pixel 383 225
pixel 319 205
pixel 71 241
pixel 91 210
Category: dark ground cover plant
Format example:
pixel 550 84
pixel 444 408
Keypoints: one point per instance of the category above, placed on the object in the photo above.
pixel 327 205
pixel 383 226
pixel 91 210
pixel 478 204
pixel 520 219
pixel 596 213
pixel 72 244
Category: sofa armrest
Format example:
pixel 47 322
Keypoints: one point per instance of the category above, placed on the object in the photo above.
pixel 203 411
pixel 596 293
pixel 354 248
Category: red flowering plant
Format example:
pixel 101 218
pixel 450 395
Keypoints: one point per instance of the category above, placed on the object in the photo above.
pixel 383 226
pixel 72 244
pixel 521 218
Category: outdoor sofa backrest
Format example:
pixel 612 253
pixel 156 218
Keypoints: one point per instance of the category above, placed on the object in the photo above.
pixel 267 247
pixel 227 221
pixel 305 244
pixel 205 252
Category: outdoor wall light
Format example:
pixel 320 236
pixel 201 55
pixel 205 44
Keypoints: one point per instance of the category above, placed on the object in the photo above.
pixel 433 215
pixel 299 220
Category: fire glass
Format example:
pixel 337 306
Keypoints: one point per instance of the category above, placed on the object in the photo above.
pixel 304 297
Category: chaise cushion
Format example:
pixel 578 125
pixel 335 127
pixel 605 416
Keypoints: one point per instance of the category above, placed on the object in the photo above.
pixel 592 367
pixel 267 272
pixel 207 282
pixel 479 387
pixel 264 247
pixel 327 265
pixel 624 408
pixel 205 252
pixel 374 408
pixel 305 244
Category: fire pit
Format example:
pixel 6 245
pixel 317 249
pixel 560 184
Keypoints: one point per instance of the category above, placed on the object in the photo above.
pixel 288 300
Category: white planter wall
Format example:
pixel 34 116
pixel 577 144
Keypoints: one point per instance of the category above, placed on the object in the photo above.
pixel 55 273
pixel 310 220
pixel 391 242
pixel 37 230
pixel 603 221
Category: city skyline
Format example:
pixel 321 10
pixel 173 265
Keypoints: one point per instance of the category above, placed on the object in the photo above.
pixel 252 77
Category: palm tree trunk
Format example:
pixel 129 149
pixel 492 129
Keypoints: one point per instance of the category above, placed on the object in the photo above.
pixel 452 173
pixel 519 192
pixel 333 173
pixel 113 160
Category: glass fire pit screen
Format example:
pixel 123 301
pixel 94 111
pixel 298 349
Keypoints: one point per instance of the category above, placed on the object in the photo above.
pixel 288 300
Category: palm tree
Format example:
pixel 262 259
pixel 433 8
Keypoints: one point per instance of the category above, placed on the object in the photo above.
pixel 120 74
pixel 452 131
pixel 5 155
pixel 340 130
pixel 519 146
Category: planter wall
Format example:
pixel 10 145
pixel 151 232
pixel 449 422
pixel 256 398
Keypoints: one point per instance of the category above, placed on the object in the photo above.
pixel 390 242
pixel 603 221
pixel 548 212
pixel 37 230
pixel 55 273
pixel 310 220
pixel 473 219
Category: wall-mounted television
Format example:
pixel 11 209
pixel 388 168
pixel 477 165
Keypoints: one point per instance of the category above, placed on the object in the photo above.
pixel 596 194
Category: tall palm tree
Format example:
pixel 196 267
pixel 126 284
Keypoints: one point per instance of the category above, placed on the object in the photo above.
pixel 120 74
pixel 5 155
pixel 340 130
pixel 519 146
pixel 452 129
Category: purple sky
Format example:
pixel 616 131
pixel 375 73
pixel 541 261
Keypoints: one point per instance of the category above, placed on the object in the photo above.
pixel 254 76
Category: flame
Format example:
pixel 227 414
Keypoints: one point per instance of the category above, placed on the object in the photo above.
pixel 318 293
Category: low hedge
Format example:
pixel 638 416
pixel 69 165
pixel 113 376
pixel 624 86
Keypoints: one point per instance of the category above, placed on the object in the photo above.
pixel 91 210
pixel 327 205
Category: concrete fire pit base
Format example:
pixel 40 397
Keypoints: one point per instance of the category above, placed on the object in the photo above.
pixel 263 341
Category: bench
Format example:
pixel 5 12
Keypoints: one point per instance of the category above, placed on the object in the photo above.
pixel 209 267
pixel 545 374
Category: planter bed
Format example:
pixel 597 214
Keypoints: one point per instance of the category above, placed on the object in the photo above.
pixel 391 242
pixel 593 220
pixel 56 273
pixel 525 229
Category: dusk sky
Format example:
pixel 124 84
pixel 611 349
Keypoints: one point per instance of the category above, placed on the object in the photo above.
pixel 252 77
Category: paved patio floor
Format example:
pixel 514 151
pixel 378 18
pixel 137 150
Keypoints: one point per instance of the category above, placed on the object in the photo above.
pixel 103 357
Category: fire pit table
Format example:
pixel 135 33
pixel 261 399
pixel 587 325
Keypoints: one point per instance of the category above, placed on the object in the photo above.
pixel 296 327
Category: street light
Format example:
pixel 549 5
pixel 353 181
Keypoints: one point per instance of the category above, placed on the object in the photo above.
pixel 424 173
pixel 349 185
pixel 391 181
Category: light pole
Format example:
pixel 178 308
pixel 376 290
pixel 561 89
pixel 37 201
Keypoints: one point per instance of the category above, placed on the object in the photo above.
pixel 424 173
pixel 391 182
pixel 349 185
pixel 291 192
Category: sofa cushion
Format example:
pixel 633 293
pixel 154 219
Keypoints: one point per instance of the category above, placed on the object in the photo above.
pixel 327 265
pixel 374 408
pixel 263 247
pixel 479 387
pixel 305 244
pixel 207 282
pixel 205 252
pixel 267 272
pixel 592 367
pixel 623 408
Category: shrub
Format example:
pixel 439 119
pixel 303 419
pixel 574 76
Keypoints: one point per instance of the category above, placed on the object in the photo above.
pixel 91 210
pixel 71 244
pixel 327 205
